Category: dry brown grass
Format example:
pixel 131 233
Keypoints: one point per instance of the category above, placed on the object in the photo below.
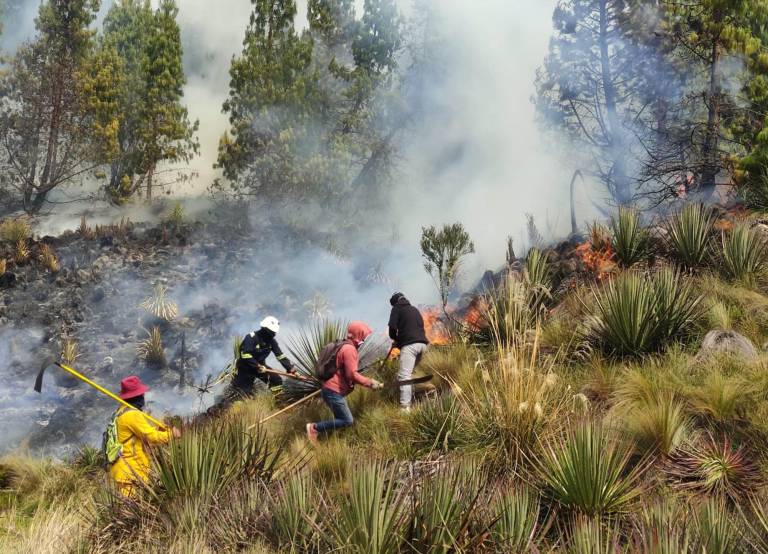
pixel 160 306
pixel 48 259
pixel 3 265
pixel 50 531
pixel 151 349
pixel 69 350
pixel 84 229
pixel 14 230
pixel 21 252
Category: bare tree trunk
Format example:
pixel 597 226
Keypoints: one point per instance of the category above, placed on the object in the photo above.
pixel 621 192
pixel 711 161
pixel 149 183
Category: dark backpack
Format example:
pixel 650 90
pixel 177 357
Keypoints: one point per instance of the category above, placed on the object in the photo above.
pixel 325 368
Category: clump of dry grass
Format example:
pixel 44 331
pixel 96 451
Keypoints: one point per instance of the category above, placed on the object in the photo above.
pixel 69 350
pixel 3 265
pixel 21 252
pixel 48 258
pixel 160 306
pixel 119 230
pixel 84 229
pixel 14 230
pixel 151 349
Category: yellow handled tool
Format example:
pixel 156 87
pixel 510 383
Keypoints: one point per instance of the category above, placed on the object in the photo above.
pixel 83 378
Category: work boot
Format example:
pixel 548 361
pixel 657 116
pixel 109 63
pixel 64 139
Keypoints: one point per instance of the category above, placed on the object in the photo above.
pixel 312 433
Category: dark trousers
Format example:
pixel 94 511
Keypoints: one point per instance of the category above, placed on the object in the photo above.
pixel 342 415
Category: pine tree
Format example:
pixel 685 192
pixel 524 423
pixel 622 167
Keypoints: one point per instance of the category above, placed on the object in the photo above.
pixel 589 86
pixel 707 32
pixel 273 96
pixel 164 130
pixel 125 31
pixel 56 112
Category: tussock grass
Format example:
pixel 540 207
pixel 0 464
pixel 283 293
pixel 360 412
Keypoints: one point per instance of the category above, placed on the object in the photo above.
pixel 48 259
pixel 15 230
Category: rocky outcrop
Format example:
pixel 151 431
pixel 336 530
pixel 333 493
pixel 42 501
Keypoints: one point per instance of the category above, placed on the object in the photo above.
pixel 718 341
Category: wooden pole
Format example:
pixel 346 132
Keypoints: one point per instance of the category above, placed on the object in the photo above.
pixel 286 408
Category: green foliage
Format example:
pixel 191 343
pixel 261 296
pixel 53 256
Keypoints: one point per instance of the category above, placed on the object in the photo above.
pixel 657 426
pixel 591 536
pixel 204 462
pixel 744 255
pixel 689 234
pixel 370 516
pixel 716 530
pixel 443 251
pixel 446 508
pixel 588 472
pixel 294 514
pixel 58 90
pixel 175 216
pixel 537 275
pixel 517 521
pixel 437 425
pixel 630 239
pixel 633 314
pixel 718 469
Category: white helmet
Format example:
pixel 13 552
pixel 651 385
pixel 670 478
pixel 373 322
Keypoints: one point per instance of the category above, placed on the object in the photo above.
pixel 271 323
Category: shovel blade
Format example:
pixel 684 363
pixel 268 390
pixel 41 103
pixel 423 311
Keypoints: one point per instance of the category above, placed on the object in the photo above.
pixel 39 380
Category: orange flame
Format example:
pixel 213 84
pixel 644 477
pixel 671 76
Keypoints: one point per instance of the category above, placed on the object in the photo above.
pixel 435 328
pixel 473 317
pixel 598 261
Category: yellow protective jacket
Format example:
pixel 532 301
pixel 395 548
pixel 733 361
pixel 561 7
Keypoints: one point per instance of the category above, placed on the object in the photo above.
pixel 135 433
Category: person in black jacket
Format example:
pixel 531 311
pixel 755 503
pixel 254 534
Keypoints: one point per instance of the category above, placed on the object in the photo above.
pixel 253 352
pixel 406 329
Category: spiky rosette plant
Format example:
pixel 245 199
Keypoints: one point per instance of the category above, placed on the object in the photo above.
pixel 744 256
pixel 630 240
pixel 588 472
pixel 159 305
pixel 716 468
pixel 689 233
pixel 151 349
pixel 305 347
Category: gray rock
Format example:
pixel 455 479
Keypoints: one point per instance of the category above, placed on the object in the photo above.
pixel 719 341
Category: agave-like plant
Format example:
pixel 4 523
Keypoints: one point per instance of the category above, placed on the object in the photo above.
pixel 205 461
pixel 305 348
pixel 151 349
pixel 756 525
pixel 370 518
pixel 717 469
pixel 48 258
pixel 21 252
pixel 744 256
pixel 294 511
pixel 517 521
pixel 588 472
pixel 689 233
pixel 437 425
pixel 662 528
pixel 159 305
pixel 716 530
pixel 537 275
pixel 592 536
pixel 630 238
pixel 634 315
pixel 446 507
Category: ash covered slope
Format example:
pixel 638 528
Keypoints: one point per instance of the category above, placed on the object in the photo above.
pixel 224 275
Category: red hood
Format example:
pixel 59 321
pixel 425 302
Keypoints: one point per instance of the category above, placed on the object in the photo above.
pixel 357 332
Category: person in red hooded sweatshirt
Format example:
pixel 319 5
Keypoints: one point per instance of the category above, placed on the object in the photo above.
pixel 336 389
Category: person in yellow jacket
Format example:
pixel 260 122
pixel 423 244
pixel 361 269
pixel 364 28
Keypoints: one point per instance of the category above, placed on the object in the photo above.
pixel 135 433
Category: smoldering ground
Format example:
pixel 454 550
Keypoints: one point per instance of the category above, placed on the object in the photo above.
pixel 471 153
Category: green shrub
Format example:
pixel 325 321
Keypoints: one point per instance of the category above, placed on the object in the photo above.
pixel 369 519
pixel 744 256
pixel 588 472
pixel 517 521
pixel 437 425
pixel 657 427
pixel 206 461
pixel 630 239
pixel 716 530
pixel 444 514
pixel 294 514
pixel 689 234
pixel 633 315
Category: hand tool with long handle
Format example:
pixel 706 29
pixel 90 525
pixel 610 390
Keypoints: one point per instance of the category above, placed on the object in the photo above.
pixel 84 379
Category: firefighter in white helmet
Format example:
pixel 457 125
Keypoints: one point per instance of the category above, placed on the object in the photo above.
pixel 252 355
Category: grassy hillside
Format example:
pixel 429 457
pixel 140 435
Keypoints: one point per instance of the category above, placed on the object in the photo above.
pixel 572 413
